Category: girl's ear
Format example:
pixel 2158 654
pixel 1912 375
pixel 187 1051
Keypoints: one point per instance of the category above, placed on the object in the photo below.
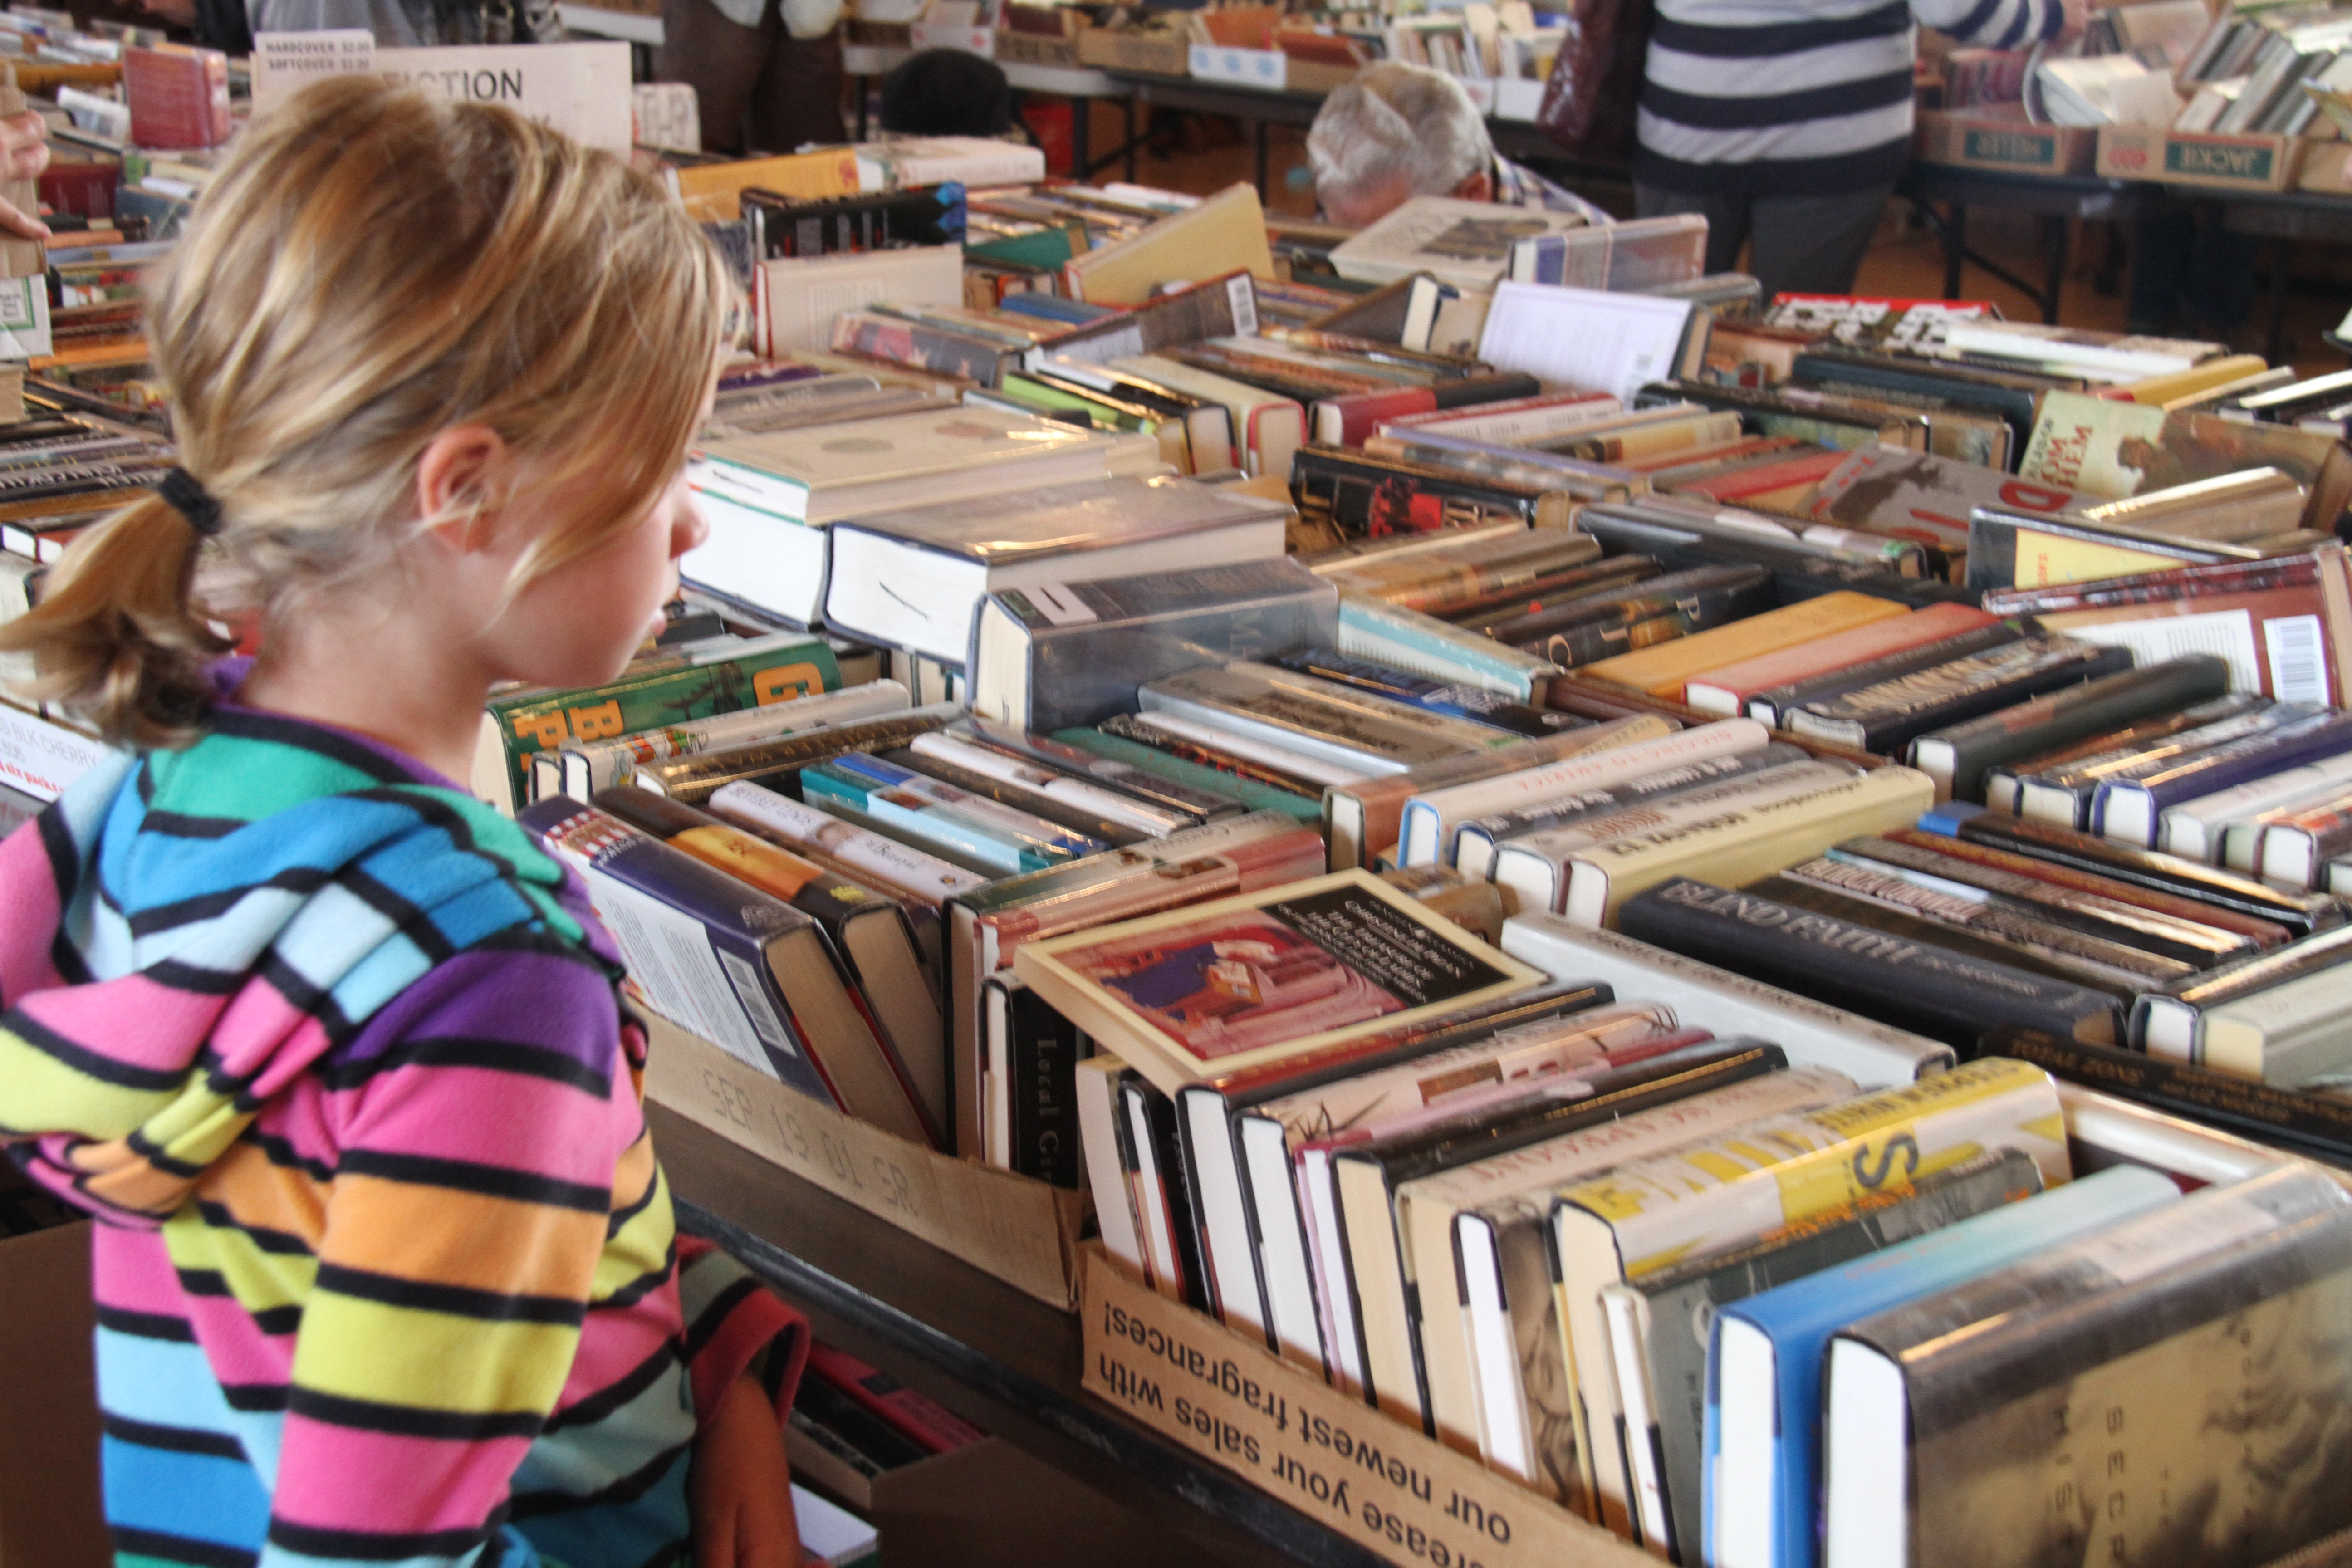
pixel 459 473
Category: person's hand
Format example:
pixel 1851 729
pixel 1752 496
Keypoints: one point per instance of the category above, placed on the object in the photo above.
pixel 740 1491
pixel 24 154
pixel 2077 16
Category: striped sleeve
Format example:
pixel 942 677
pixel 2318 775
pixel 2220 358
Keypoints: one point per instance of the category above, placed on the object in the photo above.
pixel 1992 23
pixel 462 1243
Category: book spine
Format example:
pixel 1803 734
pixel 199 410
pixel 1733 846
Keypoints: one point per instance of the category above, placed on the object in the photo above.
pixel 1253 794
pixel 1887 721
pixel 1963 753
pixel 1452 699
pixel 1042 1054
pixel 1347 419
pixel 1371 629
pixel 2315 1124
pixel 2129 809
pixel 1944 994
pixel 915 1417
pixel 900 868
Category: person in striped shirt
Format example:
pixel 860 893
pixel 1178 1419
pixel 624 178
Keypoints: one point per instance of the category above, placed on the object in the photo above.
pixel 386 1270
pixel 1786 123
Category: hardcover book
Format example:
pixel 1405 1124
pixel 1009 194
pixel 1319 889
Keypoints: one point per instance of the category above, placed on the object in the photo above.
pixel 1229 986
pixel 1727 1193
pixel 2115 449
pixel 1886 716
pixel 1957 757
pixel 756 673
pixel 1914 985
pixel 916 579
pixel 1664 671
pixel 2199 1345
pixel 1464 242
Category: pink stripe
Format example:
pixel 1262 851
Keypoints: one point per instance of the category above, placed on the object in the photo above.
pixel 749 1324
pixel 239 1351
pixel 300 1116
pixel 491 1118
pixel 133 1020
pixel 29 920
pixel 130 1270
pixel 613 1345
pixel 331 1477
pixel 261 1029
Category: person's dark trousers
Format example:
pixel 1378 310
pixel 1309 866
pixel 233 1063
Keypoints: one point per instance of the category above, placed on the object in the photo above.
pixel 2188 275
pixel 758 88
pixel 1801 245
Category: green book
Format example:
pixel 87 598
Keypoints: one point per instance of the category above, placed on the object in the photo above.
pixel 1249 791
pixel 518 725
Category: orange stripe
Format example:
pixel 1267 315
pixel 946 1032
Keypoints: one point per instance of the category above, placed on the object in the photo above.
pixel 259 1194
pixel 448 1238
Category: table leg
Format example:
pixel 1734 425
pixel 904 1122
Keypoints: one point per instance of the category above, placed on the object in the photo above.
pixel 1955 236
pixel 1257 132
pixel 1127 116
pixel 2275 309
pixel 1082 115
pixel 862 83
pixel 2054 239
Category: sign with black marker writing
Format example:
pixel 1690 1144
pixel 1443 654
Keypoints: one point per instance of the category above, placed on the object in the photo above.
pixel 580 89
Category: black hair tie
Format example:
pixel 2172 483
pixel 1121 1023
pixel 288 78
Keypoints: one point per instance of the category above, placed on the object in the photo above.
pixel 185 494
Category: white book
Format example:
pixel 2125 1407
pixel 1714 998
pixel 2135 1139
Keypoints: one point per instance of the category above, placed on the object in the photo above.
pixel 824 472
pixel 1538 867
pixel 1098 1111
pixel 41 756
pixel 915 578
pixel 799 296
pixel 916 161
pixel 1525 420
pixel 1464 242
pixel 1430 821
pixel 2205 829
pixel 2286 1036
pixel 1813 1033
pixel 1585 337
pixel 2106 356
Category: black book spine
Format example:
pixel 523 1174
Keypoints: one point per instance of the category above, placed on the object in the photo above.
pixel 1365 499
pixel 1888 667
pixel 1461 392
pixel 2316 1124
pixel 1787 889
pixel 1930 990
pixel 2061 718
pixel 1888 735
pixel 1043 1053
pixel 1710 596
pixel 2301 913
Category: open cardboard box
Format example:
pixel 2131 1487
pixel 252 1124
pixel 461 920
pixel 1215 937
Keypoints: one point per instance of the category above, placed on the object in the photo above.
pixel 1160 50
pixel 1016 1228
pixel 1407 1498
pixel 2209 160
pixel 1997 136
pixel 51 1515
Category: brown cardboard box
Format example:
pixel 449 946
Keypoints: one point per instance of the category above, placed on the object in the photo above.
pixel 986 1504
pixel 1165 51
pixel 51 1515
pixel 2208 159
pixel 1406 1498
pixel 1018 1228
pixel 1987 137
pixel 2326 167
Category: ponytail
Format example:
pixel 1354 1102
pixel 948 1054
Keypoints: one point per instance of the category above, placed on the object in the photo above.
pixel 115 638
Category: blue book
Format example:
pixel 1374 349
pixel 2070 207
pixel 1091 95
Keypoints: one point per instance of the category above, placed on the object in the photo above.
pixel 1048 838
pixel 1764 1366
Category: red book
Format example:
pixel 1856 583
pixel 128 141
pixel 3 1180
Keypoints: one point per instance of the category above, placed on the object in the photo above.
pixel 1349 419
pixel 1758 477
pixel 921 1420
pixel 178 96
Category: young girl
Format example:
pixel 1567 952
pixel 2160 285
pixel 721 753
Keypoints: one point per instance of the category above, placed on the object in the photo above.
pixel 385 1268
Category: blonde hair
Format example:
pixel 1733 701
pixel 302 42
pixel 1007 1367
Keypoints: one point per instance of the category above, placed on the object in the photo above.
pixel 371 267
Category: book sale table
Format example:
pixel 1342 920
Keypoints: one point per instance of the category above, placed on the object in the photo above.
pixel 1002 1360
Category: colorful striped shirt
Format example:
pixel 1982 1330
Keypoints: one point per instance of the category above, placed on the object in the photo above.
pixel 387 1270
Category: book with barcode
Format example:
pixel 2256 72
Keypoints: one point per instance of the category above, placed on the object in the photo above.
pixel 741 968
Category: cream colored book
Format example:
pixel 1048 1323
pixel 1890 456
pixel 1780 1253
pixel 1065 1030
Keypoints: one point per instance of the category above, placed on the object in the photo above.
pixel 1268 429
pixel 1734 845
pixel 1291 977
pixel 1782 1171
pixel 1664 668
pixel 1223 233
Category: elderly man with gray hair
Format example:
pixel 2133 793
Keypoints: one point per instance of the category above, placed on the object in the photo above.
pixel 1399 132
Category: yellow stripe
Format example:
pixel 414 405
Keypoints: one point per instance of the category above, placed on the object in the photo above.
pixel 430 1361
pixel 45 1095
pixel 258 1280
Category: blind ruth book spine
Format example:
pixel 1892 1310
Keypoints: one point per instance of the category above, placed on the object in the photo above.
pixel 1238 984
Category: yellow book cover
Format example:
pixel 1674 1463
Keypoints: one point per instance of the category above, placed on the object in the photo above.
pixel 712 191
pixel 1225 233
pixel 1663 669
pixel 1731 842
pixel 1781 1171
pixel 2165 390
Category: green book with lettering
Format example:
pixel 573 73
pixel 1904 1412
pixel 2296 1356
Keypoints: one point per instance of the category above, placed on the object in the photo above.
pixel 691 684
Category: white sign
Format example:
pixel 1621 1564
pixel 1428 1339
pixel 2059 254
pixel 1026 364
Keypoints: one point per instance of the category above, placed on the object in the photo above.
pixel 284 62
pixel 580 89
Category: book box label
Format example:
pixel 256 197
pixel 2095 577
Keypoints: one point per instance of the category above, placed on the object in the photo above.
pixel 2017 148
pixel 1407 1499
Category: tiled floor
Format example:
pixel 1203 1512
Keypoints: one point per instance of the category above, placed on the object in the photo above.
pixel 1199 155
